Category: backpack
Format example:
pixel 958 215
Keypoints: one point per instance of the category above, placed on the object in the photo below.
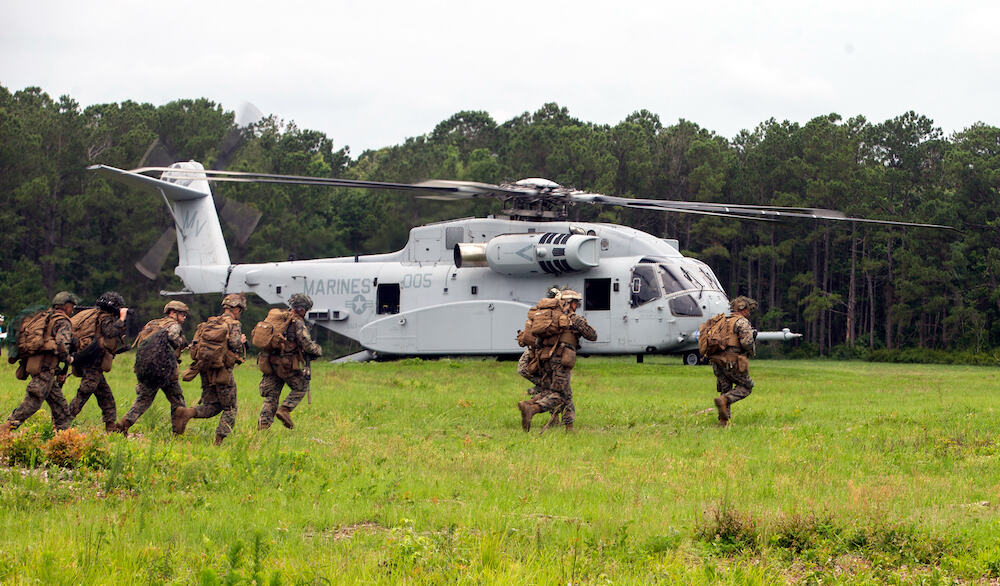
pixel 545 320
pixel 17 325
pixel 155 361
pixel 151 327
pixel 716 334
pixel 269 334
pixel 210 347
pixel 85 329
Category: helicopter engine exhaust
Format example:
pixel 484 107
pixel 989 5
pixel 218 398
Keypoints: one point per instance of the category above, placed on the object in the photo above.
pixel 531 254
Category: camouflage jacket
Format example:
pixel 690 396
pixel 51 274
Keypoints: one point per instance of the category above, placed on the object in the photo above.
pixel 579 325
pixel 744 333
pixel 235 338
pixel 111 329
pixel 304 341
pixel 62 334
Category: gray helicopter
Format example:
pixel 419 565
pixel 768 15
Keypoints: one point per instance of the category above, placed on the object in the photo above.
pixel 463 287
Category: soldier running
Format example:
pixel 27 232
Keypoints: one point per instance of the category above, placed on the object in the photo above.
pixel 167 357
pixel 732 365
pixel 557 356
pixel 108 336
pixel 288 366
pixel 57 344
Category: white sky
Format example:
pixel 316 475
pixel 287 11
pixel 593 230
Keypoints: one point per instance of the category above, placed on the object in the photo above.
pixel 369 73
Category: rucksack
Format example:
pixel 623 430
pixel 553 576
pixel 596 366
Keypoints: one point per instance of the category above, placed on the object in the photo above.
pixel 716 334
pixel 155 361
pixel 85 329
pixel 545 320
pixel 269 334
pixel 16 326
pixel 210 346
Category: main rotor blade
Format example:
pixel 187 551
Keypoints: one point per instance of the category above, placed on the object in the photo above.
pixel 241 217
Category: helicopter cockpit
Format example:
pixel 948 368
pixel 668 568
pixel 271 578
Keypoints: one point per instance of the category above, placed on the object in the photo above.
pixel 680 282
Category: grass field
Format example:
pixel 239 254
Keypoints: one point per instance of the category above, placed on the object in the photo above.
pixel 418 472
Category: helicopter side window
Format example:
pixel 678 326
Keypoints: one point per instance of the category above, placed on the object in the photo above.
pixel 670 281
pixel 644 287
pixel 596 294
pixel 685 306
pixel 387 298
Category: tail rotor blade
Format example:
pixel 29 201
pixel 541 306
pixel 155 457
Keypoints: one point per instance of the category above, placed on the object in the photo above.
pixel 152 263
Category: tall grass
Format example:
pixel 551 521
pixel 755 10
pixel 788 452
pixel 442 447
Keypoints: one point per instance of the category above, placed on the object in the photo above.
pixel 418 471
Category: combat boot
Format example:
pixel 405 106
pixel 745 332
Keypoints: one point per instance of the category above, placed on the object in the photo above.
pixel 6 428
pixel 261 426
pixel 528 410
pixel 722 406
pixel 180 419
pixel 122 427
pixel 569 428
pixel 110 427
pixel 285 417
pixel 218 439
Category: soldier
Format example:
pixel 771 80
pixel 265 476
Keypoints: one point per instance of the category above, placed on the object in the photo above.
pixel 732 365
pixel 525 364
pixel 57 345
pixel 218 387
pixel 166 355
pixel 288 366
pixel 557 355
pixel 107 329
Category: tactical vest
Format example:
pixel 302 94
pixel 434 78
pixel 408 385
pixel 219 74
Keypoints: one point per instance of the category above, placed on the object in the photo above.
pixel 717 334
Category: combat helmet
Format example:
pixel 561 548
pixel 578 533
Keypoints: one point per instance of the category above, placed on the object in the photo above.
pixel 570 295
pixel 64 297
pixel 175 305
pixel 110 302
pixel 300 301
pixel 234 300
pixel 742 302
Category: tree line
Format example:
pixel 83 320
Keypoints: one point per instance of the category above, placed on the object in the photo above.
pixel 843 285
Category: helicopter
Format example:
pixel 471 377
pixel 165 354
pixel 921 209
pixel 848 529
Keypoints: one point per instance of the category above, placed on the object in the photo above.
pixel 463 287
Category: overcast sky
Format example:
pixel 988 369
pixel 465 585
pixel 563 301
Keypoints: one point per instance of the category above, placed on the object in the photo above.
pixel 369 74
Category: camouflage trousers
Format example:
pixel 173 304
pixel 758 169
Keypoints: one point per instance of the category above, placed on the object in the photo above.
pixel 556 393
pixel 215 399
pixel 94 383
pixel 145 395
pixel 44 387
pixel 270 389
pixel 522 368
pixel 733 384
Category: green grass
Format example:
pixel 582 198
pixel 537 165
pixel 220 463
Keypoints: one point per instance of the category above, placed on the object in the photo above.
pixel 418 472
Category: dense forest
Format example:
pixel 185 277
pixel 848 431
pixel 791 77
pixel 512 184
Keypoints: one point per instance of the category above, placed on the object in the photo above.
pixel 844 286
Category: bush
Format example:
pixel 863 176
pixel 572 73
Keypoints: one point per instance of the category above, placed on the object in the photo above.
pixel 931 356
pixel 728 531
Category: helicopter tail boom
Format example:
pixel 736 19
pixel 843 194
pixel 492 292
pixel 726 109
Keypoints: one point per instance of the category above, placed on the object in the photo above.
pixel 203 260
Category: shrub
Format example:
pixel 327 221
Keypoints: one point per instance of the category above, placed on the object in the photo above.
pixel 66 448
pixel 728 531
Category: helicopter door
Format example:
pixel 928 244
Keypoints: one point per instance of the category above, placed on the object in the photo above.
pixel 387 298
pixel 597 307
pixel 646 308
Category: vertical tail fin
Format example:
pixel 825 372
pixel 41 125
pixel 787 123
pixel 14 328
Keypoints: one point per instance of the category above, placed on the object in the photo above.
pixel 203 258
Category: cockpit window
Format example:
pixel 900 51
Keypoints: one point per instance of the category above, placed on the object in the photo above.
pixel 644 286
pixel 670 282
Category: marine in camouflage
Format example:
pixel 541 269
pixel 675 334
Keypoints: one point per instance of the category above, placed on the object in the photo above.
pixel 92 381
pixel 220 397
pixel 288 368
pixel 731 367
pixel 46 386
pixel 171 389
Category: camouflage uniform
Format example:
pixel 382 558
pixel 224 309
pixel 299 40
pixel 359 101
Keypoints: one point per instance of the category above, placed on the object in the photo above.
pixel 730 381
pixel 287 368
pixel 172 389
pixel 93 381
pixel 522 369
pixel 46 386
pixel 220 397
pixel 556 394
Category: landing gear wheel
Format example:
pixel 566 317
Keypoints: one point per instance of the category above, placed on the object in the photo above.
pixel 691 358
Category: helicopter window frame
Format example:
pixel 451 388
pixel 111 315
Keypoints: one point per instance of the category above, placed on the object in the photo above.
pixel 685 306
pixel 387 298
pixel 674 285
pixel 597 294
pixel 644 288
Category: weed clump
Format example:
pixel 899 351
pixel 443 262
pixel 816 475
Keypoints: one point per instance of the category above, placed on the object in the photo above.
pixel 66 449
pixel 728 531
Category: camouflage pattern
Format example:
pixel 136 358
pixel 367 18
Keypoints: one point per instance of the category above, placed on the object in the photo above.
pixel 300 300
pixel 176 306
pixel 144 398
pixel 742 302
pixel 172 389
pixel 94 383
pixel 92 380
pixel 730 380
pixel 235 300
pixel 46 386
pixel 287 370
pixel 556 394
pixel 64 297
pixel 522 368
pixel 220 397
pixel 43 387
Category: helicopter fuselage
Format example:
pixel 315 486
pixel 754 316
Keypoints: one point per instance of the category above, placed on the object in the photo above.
pixel 639 292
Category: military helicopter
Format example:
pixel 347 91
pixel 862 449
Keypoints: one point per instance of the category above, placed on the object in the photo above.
pixel 463 287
